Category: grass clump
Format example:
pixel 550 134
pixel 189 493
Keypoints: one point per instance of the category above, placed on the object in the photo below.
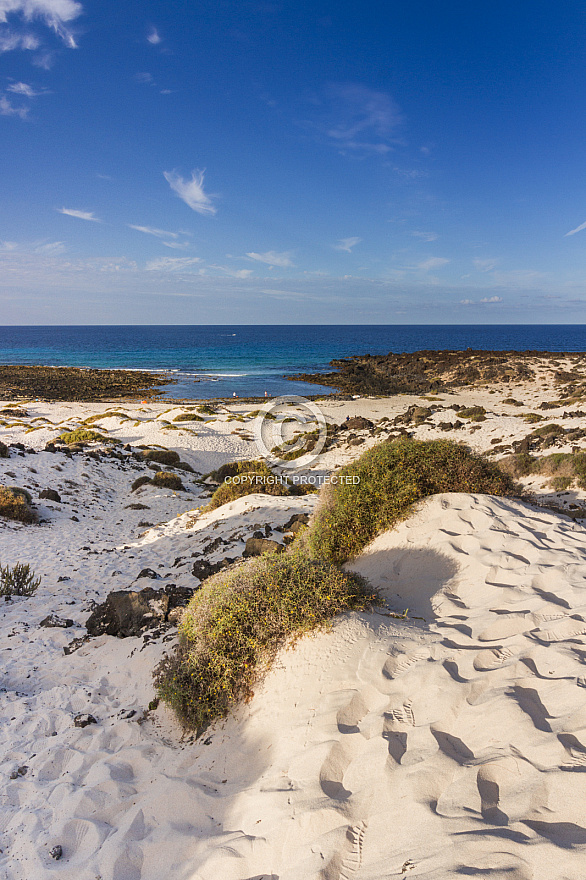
pixel 206 410
pixel 82 435
pixel 164 480
pixel 15 505
pixel 188 417
pixel 110 414
pixel 236 623
pixel 474 413
pixel 532 418
pixel 512 402
pixel 387 480
pixel 140 481
pixel 18 580
pixel 246 478
pixel 161 456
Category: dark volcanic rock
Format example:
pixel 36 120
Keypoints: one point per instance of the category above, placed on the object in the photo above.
pixel 72 383
pixel 203 569
pixel 50 495
pixel 258 546
pixel 53 621
pixel 149 573
pixel 357 423
pixel 56 852
pixel 84 719
pixel 130 613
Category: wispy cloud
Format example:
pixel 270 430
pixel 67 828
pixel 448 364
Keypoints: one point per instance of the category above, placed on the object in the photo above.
pixel 10 41
pixel 150 230
pixel 484 301
pixel 432 263
pixel 355 118
pixel 154 37
pixel 577 229
pixel 56 14
pixel 425 236
pixel 20 88
pixel 8 109
pixel 346 244
pixel 171 264
pixel 272 258
pixel 485 265
pixel 81 215
pixel 144 78
pixel 233 273
pixel 191 191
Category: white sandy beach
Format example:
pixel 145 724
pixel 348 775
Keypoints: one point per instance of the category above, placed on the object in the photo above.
pixel 451 743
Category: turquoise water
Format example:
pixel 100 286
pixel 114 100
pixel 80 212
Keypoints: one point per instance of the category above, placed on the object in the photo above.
pixel 217 361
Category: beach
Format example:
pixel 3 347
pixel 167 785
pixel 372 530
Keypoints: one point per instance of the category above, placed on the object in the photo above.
pixel 440 734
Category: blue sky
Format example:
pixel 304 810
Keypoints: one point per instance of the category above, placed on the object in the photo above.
pixel 292 162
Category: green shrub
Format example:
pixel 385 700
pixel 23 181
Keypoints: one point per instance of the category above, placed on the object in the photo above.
pixel 161 456
pixel 18 581
pixel 521 464
pixel 532 418
pixel 188 417
pixel 474 413
pixel 512 402
pixel 391 478
pixel 23 492
pixel 168 481
pixel 206 410
pixel 255 476
pixel 3 450
pixel 236 623
pixel 14 505
pixel 110 414
pixel 141 481
pixel 82 435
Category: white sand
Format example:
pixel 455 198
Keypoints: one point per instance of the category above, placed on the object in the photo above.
pixel 450 744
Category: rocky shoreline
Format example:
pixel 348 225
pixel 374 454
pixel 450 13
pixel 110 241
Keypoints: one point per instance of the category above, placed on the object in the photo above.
pixel 427 371
pixel 76 383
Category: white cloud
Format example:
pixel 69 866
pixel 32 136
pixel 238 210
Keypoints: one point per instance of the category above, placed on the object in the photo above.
pixel 425 236
pixel 81 215
pixel 346 244
pixel 8 109
pixel 233 273
pixel 153 38
pixel 191 191
pixel 353 117
pixel 55 13
pixel 10 41
pixel 577 229
pixel 20 88
pixel 272 258
pixel 150 230
pixel 432 263
pixel 483 301
pixel 485 265
pixel 145 78
pixel 171 264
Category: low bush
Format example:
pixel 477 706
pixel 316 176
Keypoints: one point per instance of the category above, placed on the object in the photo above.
pixel 236 623
pixel 206 410
pixel 141 481
pixel 82 435
pixel 164 480
pixel 161 456
pixel 14 505
pixel 474 413
pixel 563 468
pixel 18 580
pixel 110 414
pixel 3 450
pixel 391 477
pixel 255 479
pixel 188 417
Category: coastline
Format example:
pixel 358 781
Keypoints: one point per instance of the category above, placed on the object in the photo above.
pixel 468 720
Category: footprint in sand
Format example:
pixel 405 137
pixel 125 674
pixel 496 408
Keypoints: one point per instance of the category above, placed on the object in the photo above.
pixel 486 661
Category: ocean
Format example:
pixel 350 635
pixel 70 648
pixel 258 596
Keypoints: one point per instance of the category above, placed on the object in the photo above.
pixel 218 361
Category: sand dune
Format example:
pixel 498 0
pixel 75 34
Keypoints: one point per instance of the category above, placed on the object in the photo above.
pixel 451 743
